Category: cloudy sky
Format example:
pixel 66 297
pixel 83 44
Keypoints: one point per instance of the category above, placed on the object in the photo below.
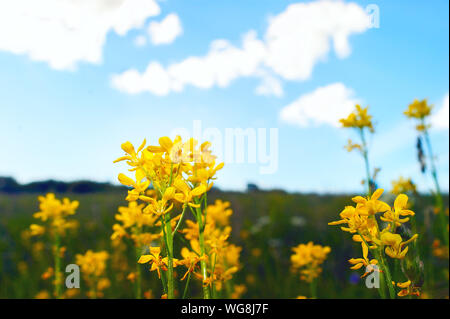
pixel 78 78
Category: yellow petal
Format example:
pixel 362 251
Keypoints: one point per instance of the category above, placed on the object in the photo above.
pixel 377 194
pixel 125 180
pixel 400 202
pixel 145 259
pixel 166 143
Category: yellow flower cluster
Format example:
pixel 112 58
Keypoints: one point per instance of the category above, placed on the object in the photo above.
pixel 134 224
pixel 180 172
pixel 93 268
pixel 359 118
pixel 403 185
pixel 418 109
pixel 222 258
pixel 54 212
pixel 307 259
pixel 360 220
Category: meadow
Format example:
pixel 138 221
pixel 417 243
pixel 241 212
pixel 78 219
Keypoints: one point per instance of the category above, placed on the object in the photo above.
pixel 170 234
pixel 265 224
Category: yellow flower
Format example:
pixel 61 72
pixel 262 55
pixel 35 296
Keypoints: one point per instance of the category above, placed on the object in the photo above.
pixel 308 258
pixel 400 203
pixel 156 261
pixel 357 220
pixel 92 263
pixel 360 262
pixel 395 245
pixel 190 260
pixel 239 290
pixel 418 109
pixel 359 118
pixel 403 185
pixel 219 212
pixel 407 289
pixel 352 146
pixel 187 194
pixel 37 230
pixel 371 206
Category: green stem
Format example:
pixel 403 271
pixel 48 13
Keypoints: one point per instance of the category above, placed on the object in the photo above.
pixel 139 277
pixel 438 194
pixel 169 242
pixel 313 288
pixel 388 280
pixel 57 257
pixel 187 285
pixel 366 160
pixel 203 268
pixel 179 221
pixel 138 288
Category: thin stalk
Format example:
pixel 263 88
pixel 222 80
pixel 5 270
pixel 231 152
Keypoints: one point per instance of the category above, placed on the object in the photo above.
pixel 169 243
pixel 438 194
pixel 179 221
pixel 366 160
pixel 139 276
pixel 385 269
pixel 313 288
pixel 382 290
pixel 203 267
pixel 138 288
pixel 187 285
pixel 57 260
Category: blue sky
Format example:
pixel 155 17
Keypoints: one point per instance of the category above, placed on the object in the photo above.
pixel 66 120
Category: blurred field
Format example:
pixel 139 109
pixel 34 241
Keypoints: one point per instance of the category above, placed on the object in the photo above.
pixel 266 224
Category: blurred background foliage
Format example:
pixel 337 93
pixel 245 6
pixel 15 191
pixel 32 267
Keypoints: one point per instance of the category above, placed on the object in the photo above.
pixel 267 224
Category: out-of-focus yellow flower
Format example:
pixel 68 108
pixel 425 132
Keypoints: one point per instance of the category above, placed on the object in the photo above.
pixel 403 185
pixel 44 294
pixel 37 230
pixel 238 291
pixel 353 146
pixel 70 293
pixel 308 258
pixel 148 294
pixel 219 212
pixel 92 263
pixel 440 250
pixel 55 212
pixel 51 207
pixel 93 268
pixel 256 252
pixel 49 273
pixel 418 109
pixel 359 118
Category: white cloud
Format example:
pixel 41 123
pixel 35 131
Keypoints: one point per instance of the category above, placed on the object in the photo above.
pixel 325 105
pixel 300 36
pixel 66 32
pixel 166 31
pixel 295 41
pixel 140 41
pixel 441 118
pixel 220 66
pixel 270 85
